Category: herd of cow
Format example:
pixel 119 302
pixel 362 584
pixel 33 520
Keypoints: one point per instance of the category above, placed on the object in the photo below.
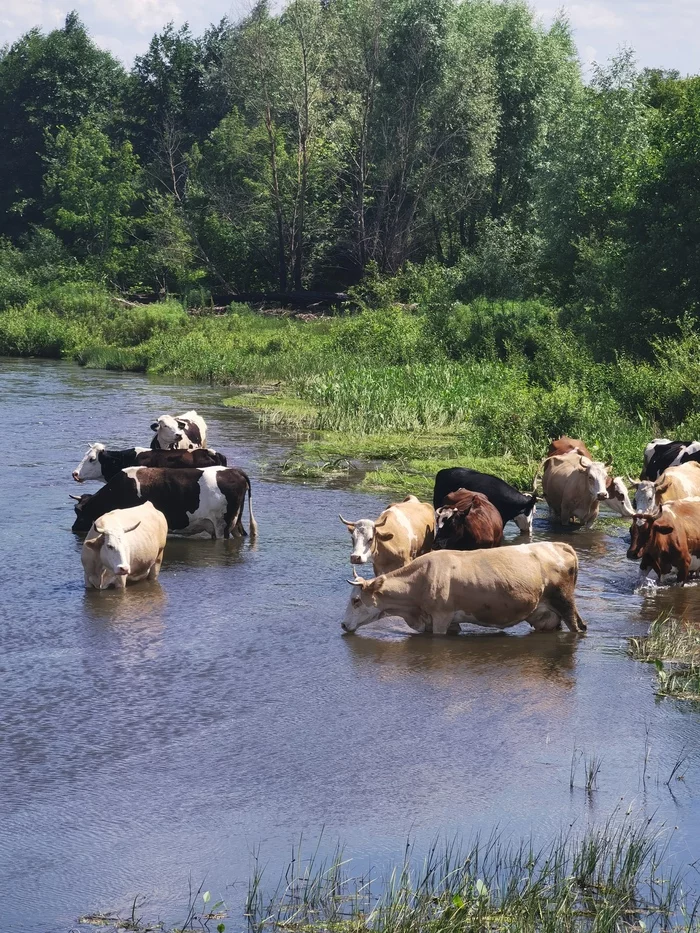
pixel 435 565
pixel 177 484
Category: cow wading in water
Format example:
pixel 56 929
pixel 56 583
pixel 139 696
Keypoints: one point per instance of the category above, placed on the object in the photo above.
pixel 467 521
pixel 574 487
pixel 206 501
pixel 618 498
pixel 102 464
pixel 512 505
pixel 179 432
pixel 403 531
pixel 670 540
pixel 124 546
pixel 496 588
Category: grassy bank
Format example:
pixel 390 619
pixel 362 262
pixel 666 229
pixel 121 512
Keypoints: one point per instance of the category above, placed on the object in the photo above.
pixel 617 877
pixel 412 389
pixel 673 646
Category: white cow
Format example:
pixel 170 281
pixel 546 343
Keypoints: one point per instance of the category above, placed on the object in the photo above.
pixel 179 432
pixel 125 545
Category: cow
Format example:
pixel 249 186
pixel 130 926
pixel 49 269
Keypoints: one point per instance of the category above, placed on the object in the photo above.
pixel 671 540
pixel 209 500
pixel 467 521
pixel 124 546
pixel 618 498
pixel 179 432
pixel 681 482
pixel 102 464
pixel 678 482
pixel 574 486
pixel 403 531
pixel 496 588
pixel 511 504
pixel 661 453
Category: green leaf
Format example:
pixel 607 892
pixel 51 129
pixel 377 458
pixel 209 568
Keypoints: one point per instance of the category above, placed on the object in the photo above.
pixel 206 897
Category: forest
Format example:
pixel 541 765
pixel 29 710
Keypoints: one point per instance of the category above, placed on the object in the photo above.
pixel 444 167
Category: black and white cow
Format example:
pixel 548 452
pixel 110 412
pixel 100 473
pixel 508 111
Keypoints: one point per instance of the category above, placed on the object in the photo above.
pixel 511 504
pixel 662 453
pixel 102 464
pixel 210 500
pixel 179 432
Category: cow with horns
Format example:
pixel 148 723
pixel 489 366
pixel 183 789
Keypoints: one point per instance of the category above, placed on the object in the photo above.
pixel 402 532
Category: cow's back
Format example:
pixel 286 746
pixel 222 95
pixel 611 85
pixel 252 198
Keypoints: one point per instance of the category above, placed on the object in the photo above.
pixel 508 500
pixel 561 477
pixel 564 445
pixel 411 524
pixel 681 482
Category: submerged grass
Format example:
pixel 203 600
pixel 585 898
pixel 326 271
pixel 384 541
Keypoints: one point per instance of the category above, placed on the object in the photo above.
pixel 389 387
pixel 673 646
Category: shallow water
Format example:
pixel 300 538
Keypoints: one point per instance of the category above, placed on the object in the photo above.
pixel 163 735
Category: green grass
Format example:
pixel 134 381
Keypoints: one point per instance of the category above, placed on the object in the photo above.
pixel 384 386
pixel 616 878
pixel 673 646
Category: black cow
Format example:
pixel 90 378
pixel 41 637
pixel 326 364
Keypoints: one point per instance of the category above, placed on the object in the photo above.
pixel 210 500
pixel 99 463
pixel 512 505
pixel 661 454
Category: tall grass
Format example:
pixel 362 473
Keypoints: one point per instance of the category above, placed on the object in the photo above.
pixel 499 379
pixel 607 880
pixel 673 646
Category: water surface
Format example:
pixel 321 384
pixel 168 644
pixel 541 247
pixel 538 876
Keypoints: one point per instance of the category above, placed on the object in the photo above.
pixel 163 735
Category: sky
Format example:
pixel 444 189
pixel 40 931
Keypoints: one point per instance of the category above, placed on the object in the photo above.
pixel 663 33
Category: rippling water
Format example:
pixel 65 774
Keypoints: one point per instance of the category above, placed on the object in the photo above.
pixel 167 733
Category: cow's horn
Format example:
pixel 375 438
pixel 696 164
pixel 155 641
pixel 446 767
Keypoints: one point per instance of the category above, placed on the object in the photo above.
pixel 346 522
pixel 71 496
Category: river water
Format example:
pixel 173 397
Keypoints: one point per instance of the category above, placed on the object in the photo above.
pixel 162 736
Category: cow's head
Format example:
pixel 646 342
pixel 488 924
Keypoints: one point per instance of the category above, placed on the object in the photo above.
pixel 81 523
pixel 365 534
pixel 644 495
pixel 667 542
pixel 168 431
pixel 450 526
pixel 640 532
pixel 596 478
pixel 363 607
pixel 525 518
pixel 90 466
pixel 618 498
pixel 111 543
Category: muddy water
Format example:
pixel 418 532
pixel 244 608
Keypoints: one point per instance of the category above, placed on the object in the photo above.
pixel 164 735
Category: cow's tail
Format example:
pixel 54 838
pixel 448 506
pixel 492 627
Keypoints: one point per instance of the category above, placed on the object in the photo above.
pixel 251 518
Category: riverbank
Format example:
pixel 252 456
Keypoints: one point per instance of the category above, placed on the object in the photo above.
pixel 404 389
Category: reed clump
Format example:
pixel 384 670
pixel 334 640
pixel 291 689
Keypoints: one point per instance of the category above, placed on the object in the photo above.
pixel 610 879
pixel 673 646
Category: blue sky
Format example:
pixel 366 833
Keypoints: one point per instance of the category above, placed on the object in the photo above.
pixel 664 33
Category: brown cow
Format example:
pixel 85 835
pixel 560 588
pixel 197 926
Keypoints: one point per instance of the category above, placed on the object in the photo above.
pixel 673 540
pixel 467 521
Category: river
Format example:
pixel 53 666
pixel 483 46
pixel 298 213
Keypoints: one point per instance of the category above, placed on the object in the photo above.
pixel 162 736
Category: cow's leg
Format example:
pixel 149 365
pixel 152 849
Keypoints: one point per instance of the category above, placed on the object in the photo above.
pixel 88 584
pixel 564 606
pixel 120 581
pixel 684 571
pixel 155 567
pixel 442 623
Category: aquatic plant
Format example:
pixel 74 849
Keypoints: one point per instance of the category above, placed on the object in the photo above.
pixel 673 646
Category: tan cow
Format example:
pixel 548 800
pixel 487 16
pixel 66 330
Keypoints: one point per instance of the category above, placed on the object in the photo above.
pixel 402 532
pixel 496 588
pixel 680 482
pixel 574 486
pixel 124 546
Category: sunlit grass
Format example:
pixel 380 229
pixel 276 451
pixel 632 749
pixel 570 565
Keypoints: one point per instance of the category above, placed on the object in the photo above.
pixel 673 646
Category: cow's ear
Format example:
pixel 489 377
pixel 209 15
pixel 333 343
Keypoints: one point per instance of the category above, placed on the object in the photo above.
pixel 181 424
pixel 373 586
pixel 95 543
pixel 155 426
pixel 384 535
pixel 663 529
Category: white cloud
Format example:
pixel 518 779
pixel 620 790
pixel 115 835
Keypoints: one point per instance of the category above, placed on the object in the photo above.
pixel 593 16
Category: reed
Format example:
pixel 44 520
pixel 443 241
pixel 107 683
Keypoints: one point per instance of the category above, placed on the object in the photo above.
pixel 673 646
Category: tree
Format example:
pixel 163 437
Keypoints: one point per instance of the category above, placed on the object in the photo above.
pixel 48 81
pixel 95 186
